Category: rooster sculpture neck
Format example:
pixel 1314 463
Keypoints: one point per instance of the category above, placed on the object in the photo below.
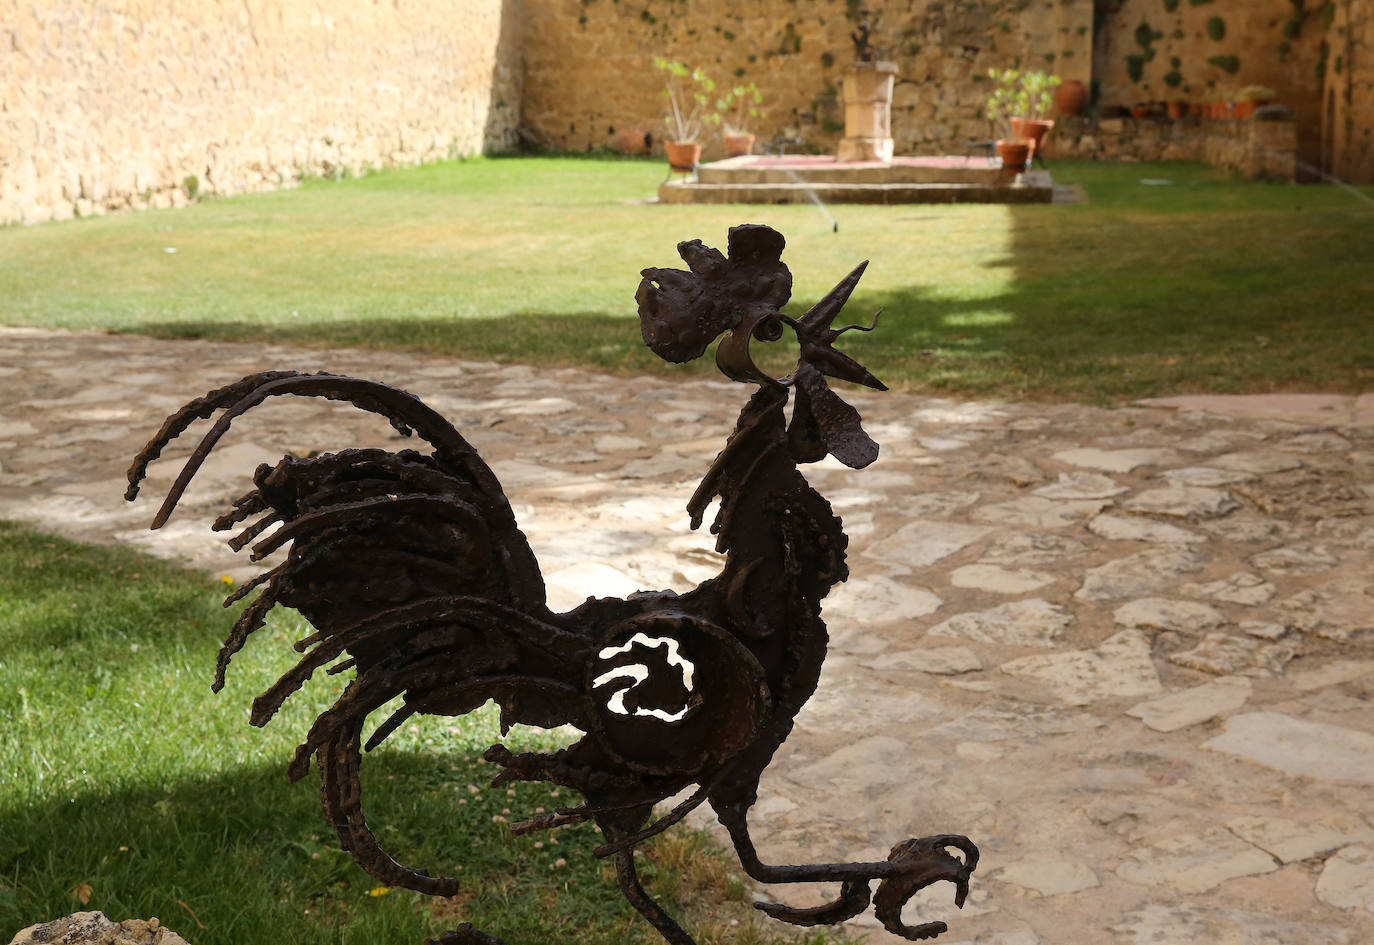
pixel 418 583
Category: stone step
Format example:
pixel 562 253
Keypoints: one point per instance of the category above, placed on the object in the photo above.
pixel 686 191
pixel 728 172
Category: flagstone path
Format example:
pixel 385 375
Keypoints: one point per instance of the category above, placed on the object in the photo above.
pixel 1130 652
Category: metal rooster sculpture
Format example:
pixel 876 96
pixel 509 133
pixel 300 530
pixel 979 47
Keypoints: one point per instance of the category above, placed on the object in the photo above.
pixel 413 572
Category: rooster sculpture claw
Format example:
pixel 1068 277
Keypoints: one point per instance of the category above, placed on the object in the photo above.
pixel 923 862
pixel 465 934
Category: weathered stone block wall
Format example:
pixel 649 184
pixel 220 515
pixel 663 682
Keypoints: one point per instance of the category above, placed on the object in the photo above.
pixel 107 104
pixel 1206 50
pixel 1249 147
pixel 589 79
pixel 1348 69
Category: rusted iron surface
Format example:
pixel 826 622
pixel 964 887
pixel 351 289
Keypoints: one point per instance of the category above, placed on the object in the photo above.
pixel 863 46
pixel 411 569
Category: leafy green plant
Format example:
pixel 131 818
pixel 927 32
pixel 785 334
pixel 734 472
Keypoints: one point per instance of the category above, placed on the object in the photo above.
pixel 740 108
pixel 1018 93
pixel 688 93
pixel 1255 93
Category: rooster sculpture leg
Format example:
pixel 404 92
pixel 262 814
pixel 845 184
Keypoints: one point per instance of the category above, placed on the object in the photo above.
pixel 628 878
pixel 911 866
pixel 420 587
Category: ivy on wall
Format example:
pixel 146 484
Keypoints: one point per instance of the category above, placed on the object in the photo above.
pixel 1252 49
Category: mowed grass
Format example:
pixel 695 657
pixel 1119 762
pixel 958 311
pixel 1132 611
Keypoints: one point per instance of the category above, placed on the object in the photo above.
pixel 1207 283
pixel 127 786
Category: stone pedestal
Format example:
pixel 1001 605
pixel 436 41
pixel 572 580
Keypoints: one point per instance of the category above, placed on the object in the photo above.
pixel 868 112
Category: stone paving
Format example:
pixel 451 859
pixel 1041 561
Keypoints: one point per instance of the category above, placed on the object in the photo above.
pixel 1130 652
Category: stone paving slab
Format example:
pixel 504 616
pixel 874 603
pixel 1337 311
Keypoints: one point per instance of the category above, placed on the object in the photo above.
pixel 1144 693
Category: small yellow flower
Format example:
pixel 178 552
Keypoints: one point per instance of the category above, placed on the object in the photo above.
pixel 227 581
pixel 379 890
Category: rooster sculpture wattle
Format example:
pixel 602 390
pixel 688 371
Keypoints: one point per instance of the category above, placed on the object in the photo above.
pixel 411 569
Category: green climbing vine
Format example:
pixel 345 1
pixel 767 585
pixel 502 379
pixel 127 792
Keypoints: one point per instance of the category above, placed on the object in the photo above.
pixel 1228 64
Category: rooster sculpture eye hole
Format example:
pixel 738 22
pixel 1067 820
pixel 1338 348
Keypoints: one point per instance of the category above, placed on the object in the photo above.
pixel 654 686
pixel 770 329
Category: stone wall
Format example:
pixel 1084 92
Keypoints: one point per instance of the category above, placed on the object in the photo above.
pixel 1348 69
pixel 1206 50
pixel 112 104
pixel 108 104
pixel 1264 149
pixel 589 81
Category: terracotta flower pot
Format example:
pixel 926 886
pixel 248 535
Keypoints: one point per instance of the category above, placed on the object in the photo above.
pixel 683 156
pixel 1015 153
pixel 1197 110
pixel 633 140
pixel 1140 111
pixel 1032 130
pixel 1244 109
pixel 738 145
pixel 1176 109
pixel 1071 97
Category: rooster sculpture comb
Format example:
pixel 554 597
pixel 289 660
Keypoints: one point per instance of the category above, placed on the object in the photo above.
pixel 681 313
pixel 420 585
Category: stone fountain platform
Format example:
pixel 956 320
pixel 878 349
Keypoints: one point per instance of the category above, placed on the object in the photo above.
pixel 756 178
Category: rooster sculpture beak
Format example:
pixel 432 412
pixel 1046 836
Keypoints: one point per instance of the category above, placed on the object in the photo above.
pixel 817 338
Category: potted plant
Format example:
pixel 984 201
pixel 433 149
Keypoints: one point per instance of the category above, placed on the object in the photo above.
pixel 1015 102
pixel 688 93
pixel 1250 98
pixel 738 109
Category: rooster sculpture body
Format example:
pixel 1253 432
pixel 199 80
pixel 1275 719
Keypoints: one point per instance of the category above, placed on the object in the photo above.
pixel 411 569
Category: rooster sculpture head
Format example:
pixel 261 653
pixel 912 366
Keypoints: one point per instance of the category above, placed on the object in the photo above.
pixel 741 296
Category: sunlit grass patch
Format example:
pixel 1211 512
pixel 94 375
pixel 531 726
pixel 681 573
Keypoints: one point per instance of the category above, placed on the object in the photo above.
pixel 537 260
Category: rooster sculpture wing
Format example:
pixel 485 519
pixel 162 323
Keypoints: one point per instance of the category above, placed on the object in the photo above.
pixel 418 582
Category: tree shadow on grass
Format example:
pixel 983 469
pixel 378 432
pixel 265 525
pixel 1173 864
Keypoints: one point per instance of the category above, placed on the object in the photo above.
pixel 1233 319
pixel 915 320
pixel 101 645
pixel 245 857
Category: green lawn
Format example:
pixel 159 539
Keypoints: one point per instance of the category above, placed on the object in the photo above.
pixel 126 786
pixel 1208 283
